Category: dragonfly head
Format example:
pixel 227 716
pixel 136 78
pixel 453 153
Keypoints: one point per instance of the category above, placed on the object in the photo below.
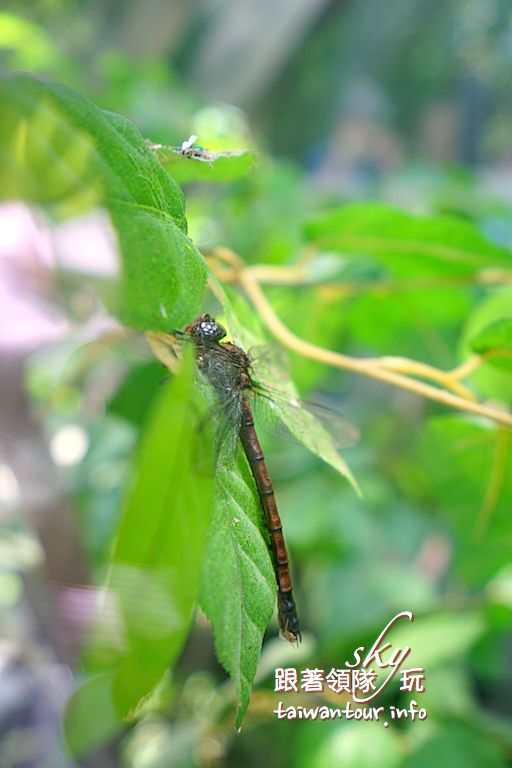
pixel 205 328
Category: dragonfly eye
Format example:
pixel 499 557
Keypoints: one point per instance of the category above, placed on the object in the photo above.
pixel 209 329
pixel 205 327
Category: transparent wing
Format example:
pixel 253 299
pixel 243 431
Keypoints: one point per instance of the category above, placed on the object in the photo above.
pixel 290 418
pixel 270 363
pixel 322 437
pixel 281 412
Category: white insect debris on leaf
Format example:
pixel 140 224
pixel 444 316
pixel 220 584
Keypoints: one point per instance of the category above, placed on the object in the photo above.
pixel 188 143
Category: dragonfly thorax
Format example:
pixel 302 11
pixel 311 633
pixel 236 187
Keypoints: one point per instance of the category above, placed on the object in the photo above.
pixel 225 366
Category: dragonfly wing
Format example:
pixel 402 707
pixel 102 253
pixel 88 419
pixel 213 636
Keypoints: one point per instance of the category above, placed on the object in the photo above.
pixel 286 417
pixel 319 429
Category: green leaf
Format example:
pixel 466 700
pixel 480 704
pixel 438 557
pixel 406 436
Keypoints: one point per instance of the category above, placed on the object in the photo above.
pixel 406 245
pixel 222 166
pixel 495 338
pixel 159 548
pixel 156 564
pixel 469 468
pixel 90 719
pixel 490 379
pixel 238 591
pixel 420 323
pixel 59 150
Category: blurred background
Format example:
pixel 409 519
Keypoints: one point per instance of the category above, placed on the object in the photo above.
pixel 407 102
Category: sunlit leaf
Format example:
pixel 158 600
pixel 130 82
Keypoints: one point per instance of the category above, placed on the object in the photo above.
pixel 439 638
pixel 59 150
pixel 356 745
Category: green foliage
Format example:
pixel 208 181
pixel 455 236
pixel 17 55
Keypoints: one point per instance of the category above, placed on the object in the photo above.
pixel 469 468
pixel 493 377
pixel 156 563
pixel 356 747
pixel 58 149
pixel 496 338
pixel 432 528
pixel 455 744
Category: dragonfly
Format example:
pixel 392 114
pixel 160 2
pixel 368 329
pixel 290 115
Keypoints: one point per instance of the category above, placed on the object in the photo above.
pixel 228 369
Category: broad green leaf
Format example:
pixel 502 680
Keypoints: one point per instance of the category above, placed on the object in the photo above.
pixel 156 564
pixel 406 245
pixel 238 592
pixel 469 467
pixel 59 150
pixel 489 379
pixel 495 338
pixel 423 324
pixel 302 424
pixel 161 540
pixel 223 166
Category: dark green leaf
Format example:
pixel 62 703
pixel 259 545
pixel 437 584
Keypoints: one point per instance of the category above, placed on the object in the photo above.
pixel 422 323
pixel 58 149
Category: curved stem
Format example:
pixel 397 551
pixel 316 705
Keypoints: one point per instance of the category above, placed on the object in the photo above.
pixel 366 368
pixel 392 370
pixel 404 365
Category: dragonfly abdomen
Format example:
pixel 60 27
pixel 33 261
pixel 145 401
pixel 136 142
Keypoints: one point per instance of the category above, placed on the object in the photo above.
pixel 287 612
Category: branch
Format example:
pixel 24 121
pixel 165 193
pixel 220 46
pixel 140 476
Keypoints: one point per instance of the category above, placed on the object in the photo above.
pixel 392 370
